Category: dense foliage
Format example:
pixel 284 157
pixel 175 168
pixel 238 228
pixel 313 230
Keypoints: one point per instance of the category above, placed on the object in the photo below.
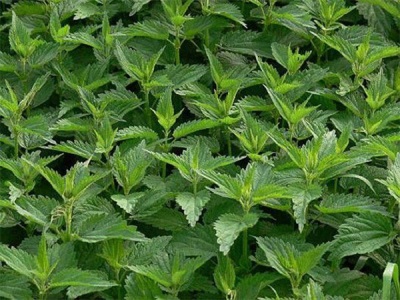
pixel 199 149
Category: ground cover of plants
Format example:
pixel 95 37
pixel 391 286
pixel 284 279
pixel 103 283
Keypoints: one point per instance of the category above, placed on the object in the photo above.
pixel 199 149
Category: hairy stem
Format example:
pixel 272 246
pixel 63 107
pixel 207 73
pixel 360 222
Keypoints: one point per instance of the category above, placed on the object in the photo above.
pixel 16 145
pixel 245 244
pixel 147 110
pixel 68 221
pixel 177 45
pixel 207 38
pixel 195 187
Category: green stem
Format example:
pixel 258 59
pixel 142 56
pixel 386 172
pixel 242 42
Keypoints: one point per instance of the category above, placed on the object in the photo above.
pixel 166 150
pixel 244 260
pixel 398 221
pixel 336 185
pixel 207 38
pixel 245 244
pixel 291 129
pixel 16 145
pixel 195 186
pixel 228 141
pixel 68 221
pixel 109 166
pixel 119 281
pixel 296 292
pixel 177 45
pixel 147 110
pixel 42 294
pixel 164 170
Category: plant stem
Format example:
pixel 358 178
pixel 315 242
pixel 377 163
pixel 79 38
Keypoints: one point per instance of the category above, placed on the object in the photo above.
pixel 68 221
pixel 147 110
pixel 177 45
pixel 119 287
pixel 42 296
pixel 16 145
pixel 245 244
pixel 109 166
pixel 336 185
pixel 207 38
pixel 244 259
pixel 195 186
pixel 166 150
pixel 229 142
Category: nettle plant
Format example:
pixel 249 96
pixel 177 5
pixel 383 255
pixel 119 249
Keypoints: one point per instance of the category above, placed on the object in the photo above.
pixel 199 149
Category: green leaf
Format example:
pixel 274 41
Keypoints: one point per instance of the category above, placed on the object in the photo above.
pixel 393 180
pixel 85 10
pixel 199 24
pixel 314 291
pixel 180 75
pixel 187 128
pixel 175 11
pixel 290 261
pixel 105 136
pixel 379 146
pixel 85 39
pixel 217 71
pixel 378 91
pixel 72 124
pixel 227 10
pixel 148 28
pixel 130 168
pixel 165 111
pixel 37 86
pixel 78 277
pixel 19 37
pixel 349 203
pixel 251 286
pixel 229 226
pixel 136 132
pixel 224 275
pixel 376 17
pixel 194 158
pixel 127 202
pixel 197 241
pixel 253 185
pixel 390 6
pixel 138 6
pixel 353 285
pixel 101 227
pixel 55 179
pixel 79 148
pixel 390 274
pixel 171 270
pixel 146 252
pixel 43 55
pixel 140 287
pixel 36 209
pixel 14 287
pixel 292 61
pixel 361 234
pixel 135 64
pixel 302 197
pixel 7 63
pixel 341 45
pixel 167 219
pixel 193 204
pixel 18 260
